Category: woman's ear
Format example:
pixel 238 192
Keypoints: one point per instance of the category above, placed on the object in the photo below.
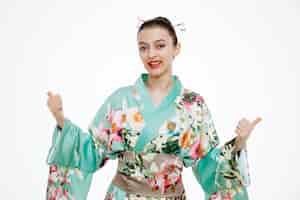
pixel 177 49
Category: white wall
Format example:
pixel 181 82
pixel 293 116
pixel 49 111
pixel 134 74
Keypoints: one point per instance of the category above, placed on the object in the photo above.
pixel 243 57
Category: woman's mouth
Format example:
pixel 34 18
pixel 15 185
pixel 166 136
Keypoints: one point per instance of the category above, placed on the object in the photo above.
pixel 154 64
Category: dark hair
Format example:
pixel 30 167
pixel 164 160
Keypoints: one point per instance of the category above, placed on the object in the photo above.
pixel 162 22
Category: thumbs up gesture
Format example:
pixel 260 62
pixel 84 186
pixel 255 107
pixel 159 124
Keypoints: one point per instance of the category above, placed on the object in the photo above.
pixel 55 106
pixel 243 131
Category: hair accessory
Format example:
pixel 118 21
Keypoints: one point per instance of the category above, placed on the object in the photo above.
pixel 181 26
pixel 140 22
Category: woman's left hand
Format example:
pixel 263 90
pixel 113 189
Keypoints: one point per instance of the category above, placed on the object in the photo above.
pixel 243 130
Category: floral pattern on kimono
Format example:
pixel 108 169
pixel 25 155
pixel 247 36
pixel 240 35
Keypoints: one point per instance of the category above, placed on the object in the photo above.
pixel 182 129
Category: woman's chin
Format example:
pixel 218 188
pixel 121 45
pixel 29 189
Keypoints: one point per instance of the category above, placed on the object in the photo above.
pixel 154 73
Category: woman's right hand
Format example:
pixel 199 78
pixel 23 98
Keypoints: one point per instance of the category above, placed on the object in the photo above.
pixel 55 106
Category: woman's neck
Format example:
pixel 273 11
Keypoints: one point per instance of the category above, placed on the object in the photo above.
pixel 161 83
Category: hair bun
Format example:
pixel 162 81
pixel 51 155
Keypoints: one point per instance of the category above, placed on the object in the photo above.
pixel 163 19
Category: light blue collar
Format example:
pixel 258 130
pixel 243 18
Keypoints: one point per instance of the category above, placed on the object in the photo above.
pixel 154 116
pixel 145 95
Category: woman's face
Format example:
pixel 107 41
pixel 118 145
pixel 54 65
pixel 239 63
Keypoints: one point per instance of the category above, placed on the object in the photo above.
pixel 156 50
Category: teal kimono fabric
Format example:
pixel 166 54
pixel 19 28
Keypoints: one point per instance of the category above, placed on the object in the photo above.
pixel 152 143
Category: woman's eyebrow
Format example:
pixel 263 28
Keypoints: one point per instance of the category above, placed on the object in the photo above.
pixel 143 42
pixel 160 40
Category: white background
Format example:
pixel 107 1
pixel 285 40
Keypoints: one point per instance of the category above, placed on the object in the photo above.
pixel 243 57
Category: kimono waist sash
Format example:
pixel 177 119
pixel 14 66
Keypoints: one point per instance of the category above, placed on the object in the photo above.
pixel 150 174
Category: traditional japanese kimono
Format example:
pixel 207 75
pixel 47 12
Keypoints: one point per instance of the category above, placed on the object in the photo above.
pixel 153 144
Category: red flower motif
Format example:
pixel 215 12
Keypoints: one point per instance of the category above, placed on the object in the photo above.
pixel 53 168
pixel 65 192
pixel 199 99
pixel 214 196
pixel 227 197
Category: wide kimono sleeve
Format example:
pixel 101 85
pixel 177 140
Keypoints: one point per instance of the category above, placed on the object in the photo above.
pixel 76 154
pixel 221 171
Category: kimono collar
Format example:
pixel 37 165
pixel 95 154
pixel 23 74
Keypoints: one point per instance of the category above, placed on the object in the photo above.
pixel 145 95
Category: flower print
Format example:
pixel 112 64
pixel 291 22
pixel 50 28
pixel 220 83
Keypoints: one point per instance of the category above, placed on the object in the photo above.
pixel 53 168
pixel 119 120
pixel 114 137
pixel 57 193
pixel 197 114
pixel 187 105
pixel 178 101
pixel 190 96
pixel 227 197
pixel 199 99
pixel 220 196
pixel 205 141
pixel 135 119
pixel 154 168
pixel 171 129
pixel 132 139
pixel 102 133
pixel 115 127
pixel 109 113
pixel 185 139
pixel 133 116
pixel 128 117
pixel 226 152
pixel 110 196
pixel 165 175
pixel 138 117
pixel 188 111
pixel 188 101
pixel 196 150
pixel 138 175
pixel 215 196
pixel 149 156
pixel 160 141
pixel 171 125
pixel 66 180
pixel 59 183
pixel 200 146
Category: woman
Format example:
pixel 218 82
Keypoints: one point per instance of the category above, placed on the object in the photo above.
pixel 154 127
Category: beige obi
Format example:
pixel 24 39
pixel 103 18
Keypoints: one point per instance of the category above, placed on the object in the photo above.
pixel 150 174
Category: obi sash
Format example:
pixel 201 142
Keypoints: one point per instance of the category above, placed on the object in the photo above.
pixel 150 174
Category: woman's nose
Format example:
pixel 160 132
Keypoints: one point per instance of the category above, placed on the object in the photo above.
pixel 151 53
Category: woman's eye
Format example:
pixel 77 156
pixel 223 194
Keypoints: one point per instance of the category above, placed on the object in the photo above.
pixel 142 48
pixel 161 45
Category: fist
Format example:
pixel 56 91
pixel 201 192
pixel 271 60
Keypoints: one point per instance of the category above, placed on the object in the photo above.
pixel 55 106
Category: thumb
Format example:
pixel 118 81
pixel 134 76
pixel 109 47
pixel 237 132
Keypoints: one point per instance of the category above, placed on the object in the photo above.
pixel 256 121
pixel 49 93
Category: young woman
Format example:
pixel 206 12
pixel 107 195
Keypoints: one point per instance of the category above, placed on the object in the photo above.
pixel 154 127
